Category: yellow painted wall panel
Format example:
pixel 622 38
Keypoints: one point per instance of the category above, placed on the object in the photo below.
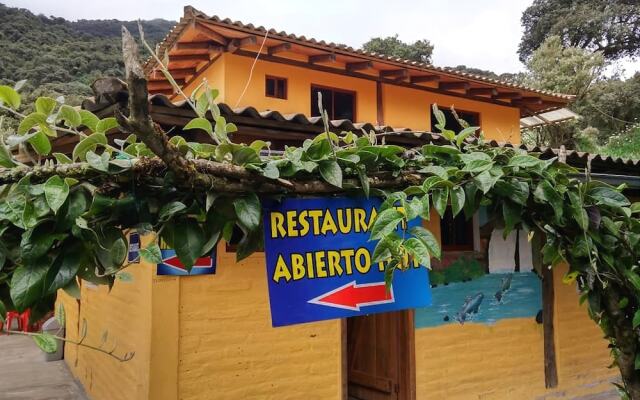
pixel 228 347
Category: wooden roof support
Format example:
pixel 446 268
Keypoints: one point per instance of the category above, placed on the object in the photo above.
pixel 489 91
pixel 208 45
pixel 188 57
pixel 181 72
pixel 394 73
pixel 453 85
pixel 211 34
pixel 162 79
pixel 237 44
pixel 166 92
pixel 359 66
pixel 279 48
pixel 164 85
pixel 425 78
pixel 528 100
pixel 322 58
pixel 507 95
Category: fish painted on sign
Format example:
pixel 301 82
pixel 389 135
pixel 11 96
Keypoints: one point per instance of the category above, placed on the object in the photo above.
pixel 504 287
pixel 471 306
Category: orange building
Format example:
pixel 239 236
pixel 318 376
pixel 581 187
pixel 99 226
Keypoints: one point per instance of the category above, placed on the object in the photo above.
pixel 210 336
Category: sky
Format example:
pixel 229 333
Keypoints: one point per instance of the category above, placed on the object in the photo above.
pixel 477 33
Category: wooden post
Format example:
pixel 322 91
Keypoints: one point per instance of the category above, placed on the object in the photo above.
pixel 379 106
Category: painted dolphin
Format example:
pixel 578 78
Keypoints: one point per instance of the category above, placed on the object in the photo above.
pixel 506 285
pixel 470 306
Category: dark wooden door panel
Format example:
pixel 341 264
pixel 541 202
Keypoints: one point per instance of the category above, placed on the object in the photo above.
pixel 379 356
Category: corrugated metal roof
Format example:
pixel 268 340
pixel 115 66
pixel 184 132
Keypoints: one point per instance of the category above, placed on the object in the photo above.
pixel 161 104
pixel 191 14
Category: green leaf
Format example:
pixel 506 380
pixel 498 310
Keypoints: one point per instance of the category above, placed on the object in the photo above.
pixel 3 312
pixel 40 143
pixel 98 162
pixel 636 319
pixel 200 123
pixel 440 197
pixel 545 193
pixel 61 315
pixel 152 253
pixel 56 191
pixel 69 263
pixel 523 161
pixel 428 239
pixel 46 342
pixel 9 96
pixel 106 124
pixel 27 283
pixel 331 172
pixel 457 200
pixel 89 119
pixel 87 144
pixel 477 166
pixel 512 214
pixel 170 209
pixel 187 238
pixel 419 251
pixel 436 170
pixel 248 211
pixel 31 120
pixel 465 133
pixel 45 105
pixel 385 223
pixel 70 116
pixel 364 180
pixel 636 364
pixel 6 160
pixel 609 197
pixel 62 158
pixel 440 118
pixel 113 249
pixel 485 181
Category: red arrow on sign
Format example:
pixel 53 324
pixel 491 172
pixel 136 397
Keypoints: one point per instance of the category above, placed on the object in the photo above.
pixel 174 261
pixel 352 296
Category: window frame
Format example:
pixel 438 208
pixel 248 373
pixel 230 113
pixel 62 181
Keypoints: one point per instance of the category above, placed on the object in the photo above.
pixel 334 89
pixel 468 231
pixel 276 79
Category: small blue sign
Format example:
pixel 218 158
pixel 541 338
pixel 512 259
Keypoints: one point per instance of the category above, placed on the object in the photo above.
pixel 319 265
pixel 134 247
pixel 171 264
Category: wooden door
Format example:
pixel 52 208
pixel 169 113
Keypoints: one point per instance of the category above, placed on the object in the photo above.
pixel 380 357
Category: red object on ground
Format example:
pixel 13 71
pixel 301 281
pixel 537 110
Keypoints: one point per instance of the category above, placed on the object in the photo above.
pixel 23 320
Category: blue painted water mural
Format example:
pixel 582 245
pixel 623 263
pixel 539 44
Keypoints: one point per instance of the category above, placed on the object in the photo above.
pixel 523 299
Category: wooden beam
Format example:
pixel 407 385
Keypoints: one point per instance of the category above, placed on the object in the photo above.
pixel 162 85
pixel 188 58
pixel 163 79
pixel 482 91
pixel 359 66
pixel 211 34
pixel 394 73
pixel 507 95
pixel 424 78
pixel 208 46
pixel 453 85
pixel 279 48
pixel 322 58
pixel 528 100
pixel 181 72
pixel 237 44
pixel 379 104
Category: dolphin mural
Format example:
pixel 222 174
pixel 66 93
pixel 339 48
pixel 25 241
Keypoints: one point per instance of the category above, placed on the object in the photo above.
pixel 504 287
pixel 470 306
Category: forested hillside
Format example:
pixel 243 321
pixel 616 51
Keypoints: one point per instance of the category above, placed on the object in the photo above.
pixel 59 57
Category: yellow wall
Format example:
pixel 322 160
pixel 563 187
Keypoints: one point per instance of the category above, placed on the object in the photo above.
pixel 229 350
pixel 201 337
pixel 402 107
pixel 505 360
pixel 125 314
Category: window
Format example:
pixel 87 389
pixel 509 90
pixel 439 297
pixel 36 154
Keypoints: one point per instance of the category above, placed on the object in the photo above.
pixel 456 233
pixel 472 118
pixel 340 104
pixel 275 87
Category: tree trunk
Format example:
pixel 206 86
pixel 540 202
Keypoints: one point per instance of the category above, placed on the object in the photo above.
pixel 624 338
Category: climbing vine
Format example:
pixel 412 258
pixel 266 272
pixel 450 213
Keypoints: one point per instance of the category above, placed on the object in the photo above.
pixel 63 216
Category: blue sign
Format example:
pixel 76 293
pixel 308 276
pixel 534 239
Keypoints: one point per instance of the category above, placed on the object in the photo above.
pixel 171 264
pixel 134 247
pixel 319 265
